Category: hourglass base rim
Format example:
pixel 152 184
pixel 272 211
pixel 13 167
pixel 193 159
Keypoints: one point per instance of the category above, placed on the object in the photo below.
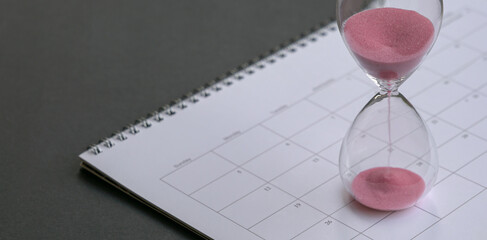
pixel 388 188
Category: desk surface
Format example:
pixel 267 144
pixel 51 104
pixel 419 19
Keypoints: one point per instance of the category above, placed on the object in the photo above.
pixel 75 71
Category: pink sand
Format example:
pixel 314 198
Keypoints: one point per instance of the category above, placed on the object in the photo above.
pixel 389 42
pixel 387 188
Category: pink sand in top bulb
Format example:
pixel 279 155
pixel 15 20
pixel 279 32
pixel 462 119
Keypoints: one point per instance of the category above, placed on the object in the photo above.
pixel 387 188
pixel 389 42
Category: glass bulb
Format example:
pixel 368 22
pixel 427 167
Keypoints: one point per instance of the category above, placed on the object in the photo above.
pixel 388 157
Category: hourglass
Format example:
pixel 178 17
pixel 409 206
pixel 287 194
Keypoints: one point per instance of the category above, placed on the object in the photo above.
pixel 388 158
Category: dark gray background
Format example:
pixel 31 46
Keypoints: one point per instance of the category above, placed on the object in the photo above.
pixel 72 72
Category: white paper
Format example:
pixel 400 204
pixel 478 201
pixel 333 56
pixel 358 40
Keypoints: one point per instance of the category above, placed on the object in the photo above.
pixel 258 159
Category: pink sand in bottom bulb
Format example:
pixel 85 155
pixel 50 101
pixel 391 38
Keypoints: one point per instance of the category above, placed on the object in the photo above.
pixel 389 42
pixel 387 188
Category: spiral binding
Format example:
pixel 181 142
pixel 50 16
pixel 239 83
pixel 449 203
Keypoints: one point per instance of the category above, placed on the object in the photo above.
pixel 219 83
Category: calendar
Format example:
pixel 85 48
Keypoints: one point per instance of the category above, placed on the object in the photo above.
pixel 255 155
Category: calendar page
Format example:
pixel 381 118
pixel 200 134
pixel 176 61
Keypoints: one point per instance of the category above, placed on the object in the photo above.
pixel 256 155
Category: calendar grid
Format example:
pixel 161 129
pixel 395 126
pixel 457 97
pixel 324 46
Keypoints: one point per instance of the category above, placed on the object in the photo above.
pixel 243 132
pixel 199 202
pixel 333 114
pixel 264 184
pixel 269 182
pixel 278 176
pixel 448 213
pixel 478 135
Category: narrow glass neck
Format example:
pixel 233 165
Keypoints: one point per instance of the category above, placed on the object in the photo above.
pixel 389 86
pixel 390 89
